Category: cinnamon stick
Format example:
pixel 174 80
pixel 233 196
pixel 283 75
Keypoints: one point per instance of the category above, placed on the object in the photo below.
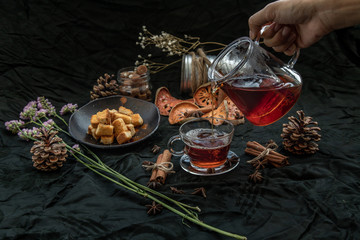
pixel 154 171
pixel 274 158
pixel 257 146
pixel 161 174
pixel 270 156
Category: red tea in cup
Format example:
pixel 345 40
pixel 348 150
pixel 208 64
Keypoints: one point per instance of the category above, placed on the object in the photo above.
pixel 206 145
pixel 208 149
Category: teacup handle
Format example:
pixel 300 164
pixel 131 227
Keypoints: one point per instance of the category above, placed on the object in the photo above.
pixel 294 57
pixel 170 146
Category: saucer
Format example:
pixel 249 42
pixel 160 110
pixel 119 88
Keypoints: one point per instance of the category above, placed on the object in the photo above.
pixel 226 167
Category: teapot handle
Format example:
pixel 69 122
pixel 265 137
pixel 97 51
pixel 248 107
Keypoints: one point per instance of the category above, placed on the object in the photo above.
pixel 294 57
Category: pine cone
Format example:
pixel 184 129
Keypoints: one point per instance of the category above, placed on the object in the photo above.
pixel 298 137
pixel 106 86
pixel 49 152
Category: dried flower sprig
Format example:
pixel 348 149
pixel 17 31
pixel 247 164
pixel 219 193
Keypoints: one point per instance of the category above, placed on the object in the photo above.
pixel 95 164
pixel 68 108
pixel 34 113
pixel 170 44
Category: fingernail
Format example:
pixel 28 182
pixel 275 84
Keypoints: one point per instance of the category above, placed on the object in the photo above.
pixel 286 30
pixel 251 34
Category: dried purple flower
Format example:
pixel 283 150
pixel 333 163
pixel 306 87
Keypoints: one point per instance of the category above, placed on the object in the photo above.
pixel 49 123
pixel 40 114
pixel 29 111
pixel 14 125
pixel 75 147
pixel 68 108
pixel 43 103
pixel 27 133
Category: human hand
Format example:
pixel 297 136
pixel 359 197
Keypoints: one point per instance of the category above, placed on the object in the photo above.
pixel 295 24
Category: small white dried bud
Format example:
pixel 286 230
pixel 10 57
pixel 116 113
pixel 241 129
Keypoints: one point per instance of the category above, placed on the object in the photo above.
pixel 139 56
pixel 149 55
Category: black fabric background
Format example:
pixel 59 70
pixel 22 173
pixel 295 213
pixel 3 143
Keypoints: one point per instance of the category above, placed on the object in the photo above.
pixel 58 49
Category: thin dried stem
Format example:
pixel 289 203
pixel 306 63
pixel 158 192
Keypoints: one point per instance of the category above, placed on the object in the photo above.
pixel 170 44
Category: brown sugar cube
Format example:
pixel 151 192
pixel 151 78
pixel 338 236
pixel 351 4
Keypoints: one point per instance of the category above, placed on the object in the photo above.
pixel 131 128
pixel 126 118
pixel 142 69
pixel 94 121
pixel 104 116
pixel 104 130
pixel 136 120
pixel 107 139
pixel 123 137
pixel 93 134
pixel 119 126
pixel 112 114
pixel 90 128
pixel 125 111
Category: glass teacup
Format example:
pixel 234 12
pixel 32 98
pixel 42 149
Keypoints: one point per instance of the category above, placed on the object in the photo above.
pixel 206 145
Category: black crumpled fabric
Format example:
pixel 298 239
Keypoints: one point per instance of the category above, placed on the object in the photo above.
pixel 58 49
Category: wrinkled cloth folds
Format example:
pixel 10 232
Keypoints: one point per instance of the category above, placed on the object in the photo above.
pixel 58 49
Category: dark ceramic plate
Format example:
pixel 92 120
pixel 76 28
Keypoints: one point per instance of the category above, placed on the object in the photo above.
pixel 80 120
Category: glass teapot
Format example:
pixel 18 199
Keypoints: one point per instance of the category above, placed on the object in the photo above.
pixel 262 86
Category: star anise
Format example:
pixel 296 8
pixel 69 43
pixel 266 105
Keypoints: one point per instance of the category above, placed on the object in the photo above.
pixel 154 208
pixel 231 161
pixel 153 184
pixel 155 149
pixel 200 191
pixel 177 191
pixel 256 176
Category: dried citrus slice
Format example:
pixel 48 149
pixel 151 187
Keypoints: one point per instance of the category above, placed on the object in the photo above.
pixel 226 110
pixel 234 115
pixel 203 95
pixel 165 102
pixel 178 113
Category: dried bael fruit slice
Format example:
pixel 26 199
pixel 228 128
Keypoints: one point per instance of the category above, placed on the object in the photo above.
pixel 165 102
pixel 203 96
pixel 226 110
pixel 180 112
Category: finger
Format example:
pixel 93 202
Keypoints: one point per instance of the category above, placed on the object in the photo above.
pixel 291 50
pixel 271 30
pixel 286 45
pixel 280 38
pixel 260 18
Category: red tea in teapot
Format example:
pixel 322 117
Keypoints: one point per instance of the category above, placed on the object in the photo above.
pixel 262 100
